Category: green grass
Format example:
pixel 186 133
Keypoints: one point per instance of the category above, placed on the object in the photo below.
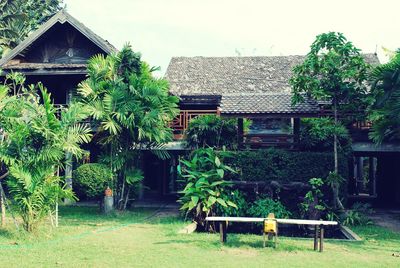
pixel 88 239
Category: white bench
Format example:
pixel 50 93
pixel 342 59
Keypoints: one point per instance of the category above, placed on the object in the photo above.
pixel 318 226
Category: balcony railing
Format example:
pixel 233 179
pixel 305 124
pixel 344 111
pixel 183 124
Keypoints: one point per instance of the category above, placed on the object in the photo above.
pixel 269 140
pixel 59 109
pixel 181 122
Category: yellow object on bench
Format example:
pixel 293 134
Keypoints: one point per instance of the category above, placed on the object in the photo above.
pixel 270 228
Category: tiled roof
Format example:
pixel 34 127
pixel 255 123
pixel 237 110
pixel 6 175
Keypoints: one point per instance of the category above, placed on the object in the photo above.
pixel 226 75
pixel 264 103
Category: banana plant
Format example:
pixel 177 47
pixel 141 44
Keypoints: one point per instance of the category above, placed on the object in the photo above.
pixel 204 176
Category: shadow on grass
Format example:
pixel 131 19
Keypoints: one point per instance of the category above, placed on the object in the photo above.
pixel 7 234
pixel 92 216
pixel 236 241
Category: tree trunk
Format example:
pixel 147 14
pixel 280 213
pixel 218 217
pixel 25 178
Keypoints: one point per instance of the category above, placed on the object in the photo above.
pixel 68 175
pixel 335 187
pixel 2 208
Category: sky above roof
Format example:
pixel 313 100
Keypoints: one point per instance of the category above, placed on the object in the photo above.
pixel 161 29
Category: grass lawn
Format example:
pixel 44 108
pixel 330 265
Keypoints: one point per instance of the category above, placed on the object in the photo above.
pixel 88 239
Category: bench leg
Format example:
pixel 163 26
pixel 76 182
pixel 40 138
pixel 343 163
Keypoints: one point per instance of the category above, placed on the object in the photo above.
pixel 264 238
pixel 321 239
pixel 222 231
pixel 316 238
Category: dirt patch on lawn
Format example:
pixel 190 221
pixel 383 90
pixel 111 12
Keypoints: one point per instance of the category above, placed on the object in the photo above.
pixel 241 252
pixel 389 219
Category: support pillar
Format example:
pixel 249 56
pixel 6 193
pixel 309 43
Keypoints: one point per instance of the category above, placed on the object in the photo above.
pixel 296 130
pixel 372 176
pixel 240 132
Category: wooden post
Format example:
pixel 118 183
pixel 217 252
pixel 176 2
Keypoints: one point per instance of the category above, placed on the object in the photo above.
pixel 371 175
pixel 222 231
pixel 296 131
pixel 240 132
pixel 56 219
pixel 316 237
pixel 321 239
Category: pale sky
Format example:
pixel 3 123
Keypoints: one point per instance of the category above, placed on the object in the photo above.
pixel 161 29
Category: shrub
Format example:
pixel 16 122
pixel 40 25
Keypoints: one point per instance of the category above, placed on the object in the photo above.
pixel 239 199
pixel 313 204
pixel 90 180
pixel 284 166
pixel 212 131
pixel 357 215
pixel 263 206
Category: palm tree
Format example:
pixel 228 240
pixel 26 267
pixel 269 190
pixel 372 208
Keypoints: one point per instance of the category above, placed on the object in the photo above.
pixel 18 18
pixel 385 111
pixel 33 148
pixel 132 109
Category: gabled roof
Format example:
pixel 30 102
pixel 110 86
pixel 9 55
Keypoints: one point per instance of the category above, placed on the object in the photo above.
pixel 60 17
pixel 227 75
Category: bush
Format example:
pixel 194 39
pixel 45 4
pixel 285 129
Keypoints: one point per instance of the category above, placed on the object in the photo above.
pixel 239 199
pixel 284 166
pixel 90 180
pixel 263 206
pixel 357 215
pixel 212 131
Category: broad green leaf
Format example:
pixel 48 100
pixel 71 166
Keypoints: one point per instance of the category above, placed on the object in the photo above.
pixel 221 202
pixel 217 161
pixel 195 200
pixel 229 203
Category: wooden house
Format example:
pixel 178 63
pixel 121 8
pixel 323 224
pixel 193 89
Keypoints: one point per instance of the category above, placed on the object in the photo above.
pixel 237 87
pixel 258 88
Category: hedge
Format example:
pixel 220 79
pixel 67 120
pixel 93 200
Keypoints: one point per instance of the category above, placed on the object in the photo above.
pixel 284 166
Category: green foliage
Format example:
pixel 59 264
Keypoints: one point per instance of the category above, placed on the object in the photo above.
pixel 33 146
pixel 333 70
pixel 357 215
pixel 212 131
pixel 18 18
pixel 284 166
pixel 313 204
pixel 263 206
pixel 316 134
pixel 238 198
pixel 384 112
pixel 90 180
pixel 205 186
pixel 132 109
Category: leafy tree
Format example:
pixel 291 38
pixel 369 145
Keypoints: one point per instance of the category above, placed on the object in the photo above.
pixel 205 186
pixel 33 147
pixel 316 134
pixel 334 71
pixel 132 110
pixel 385 111
pixel 18 18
